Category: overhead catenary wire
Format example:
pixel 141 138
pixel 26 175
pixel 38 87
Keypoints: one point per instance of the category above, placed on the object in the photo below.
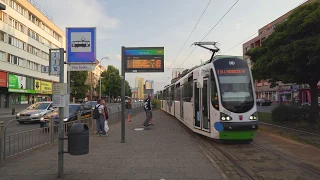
pixel 210 31
pixel 240 43
pixel 190 34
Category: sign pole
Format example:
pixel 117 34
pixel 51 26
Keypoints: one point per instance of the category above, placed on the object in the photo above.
pixel 61 117
pixel 122 96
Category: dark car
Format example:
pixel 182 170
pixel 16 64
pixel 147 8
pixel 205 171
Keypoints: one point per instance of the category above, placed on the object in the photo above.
pixel 85 111
pixel 93 104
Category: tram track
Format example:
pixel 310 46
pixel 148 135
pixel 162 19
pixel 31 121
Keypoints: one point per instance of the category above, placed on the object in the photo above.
pixel 249 171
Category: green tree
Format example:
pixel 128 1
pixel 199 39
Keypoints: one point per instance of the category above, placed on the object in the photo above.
pixel 78 88
pixel 112 81
pixel 291 53
pixel 127 89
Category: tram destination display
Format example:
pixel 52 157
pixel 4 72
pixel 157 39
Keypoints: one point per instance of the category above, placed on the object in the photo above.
pixel 143 59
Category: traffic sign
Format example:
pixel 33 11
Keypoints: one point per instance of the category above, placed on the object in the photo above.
pixel 55 60
pixel 44 69
pixel 81 45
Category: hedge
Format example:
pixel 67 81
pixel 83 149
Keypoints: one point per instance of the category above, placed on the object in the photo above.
pixel 286 113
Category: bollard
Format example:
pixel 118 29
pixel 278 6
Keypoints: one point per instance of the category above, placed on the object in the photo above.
pixel 13 111
pixel 2 141
pixel 51 129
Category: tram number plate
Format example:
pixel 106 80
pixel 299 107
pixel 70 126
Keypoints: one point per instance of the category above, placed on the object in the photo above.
pixel 227 112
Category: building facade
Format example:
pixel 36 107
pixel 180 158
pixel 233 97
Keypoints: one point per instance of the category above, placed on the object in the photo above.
pixel 26 36
pixel 96 73
pixel 288 92
pixel 140 86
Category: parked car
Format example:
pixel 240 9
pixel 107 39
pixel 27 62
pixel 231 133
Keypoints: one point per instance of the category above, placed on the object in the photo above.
pixel 34 112
pixel 85 111
pixel 93 104
pixel 264 102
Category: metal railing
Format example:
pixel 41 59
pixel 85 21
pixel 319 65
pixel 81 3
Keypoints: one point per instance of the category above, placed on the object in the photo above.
pixel 20 142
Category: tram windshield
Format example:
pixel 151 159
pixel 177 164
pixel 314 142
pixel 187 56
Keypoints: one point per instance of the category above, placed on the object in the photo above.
pixel 236 91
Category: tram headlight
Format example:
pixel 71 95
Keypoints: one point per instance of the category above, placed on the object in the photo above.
pixel 253 117
pixel 224 117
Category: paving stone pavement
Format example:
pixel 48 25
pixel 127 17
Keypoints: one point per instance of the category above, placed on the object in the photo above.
pixel 164 151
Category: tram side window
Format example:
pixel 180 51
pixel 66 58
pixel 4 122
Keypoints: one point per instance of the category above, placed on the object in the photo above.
pixel 187 92
pixel 214 92
pixel 172 93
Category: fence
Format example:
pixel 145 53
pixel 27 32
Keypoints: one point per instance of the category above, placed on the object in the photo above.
pixel 17 143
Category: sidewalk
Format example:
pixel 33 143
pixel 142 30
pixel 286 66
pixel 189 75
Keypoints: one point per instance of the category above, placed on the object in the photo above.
pixel 164 151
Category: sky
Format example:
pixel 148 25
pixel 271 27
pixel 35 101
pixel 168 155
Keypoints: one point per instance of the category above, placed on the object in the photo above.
pixel 166 23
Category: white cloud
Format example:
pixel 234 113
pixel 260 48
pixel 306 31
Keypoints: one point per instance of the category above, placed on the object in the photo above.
pixel 80 13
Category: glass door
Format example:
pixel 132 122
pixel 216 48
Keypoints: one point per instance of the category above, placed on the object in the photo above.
pixel 196 106
pixel 205 106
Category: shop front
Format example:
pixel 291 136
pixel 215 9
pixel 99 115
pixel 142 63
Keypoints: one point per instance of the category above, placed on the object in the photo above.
pixel 21 89
pixel 4 94
pixel 43 90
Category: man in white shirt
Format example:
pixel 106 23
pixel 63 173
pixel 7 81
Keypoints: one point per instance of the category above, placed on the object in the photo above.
pixel 101 121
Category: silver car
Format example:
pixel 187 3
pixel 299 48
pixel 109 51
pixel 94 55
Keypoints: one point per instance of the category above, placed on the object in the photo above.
pixel 34 112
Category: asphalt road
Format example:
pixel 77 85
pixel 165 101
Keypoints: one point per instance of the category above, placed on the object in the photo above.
pixel 266 108
pixel 15 127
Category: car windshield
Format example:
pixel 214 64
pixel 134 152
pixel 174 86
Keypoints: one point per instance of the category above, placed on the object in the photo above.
pixel 38 106
pixel 73 108
pixel 93 103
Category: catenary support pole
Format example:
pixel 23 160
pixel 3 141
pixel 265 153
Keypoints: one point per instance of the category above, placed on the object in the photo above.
pixel 122 96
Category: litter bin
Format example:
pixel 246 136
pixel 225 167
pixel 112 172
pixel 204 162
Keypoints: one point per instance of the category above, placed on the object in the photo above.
pixel 78 139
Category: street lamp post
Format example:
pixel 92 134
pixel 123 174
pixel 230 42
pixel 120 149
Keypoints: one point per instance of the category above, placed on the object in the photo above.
pixel 100 75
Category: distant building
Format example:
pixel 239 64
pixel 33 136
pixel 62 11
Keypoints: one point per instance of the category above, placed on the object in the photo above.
pixel 139 84
pixel 26 35
pixel 96 73
pixel 288 92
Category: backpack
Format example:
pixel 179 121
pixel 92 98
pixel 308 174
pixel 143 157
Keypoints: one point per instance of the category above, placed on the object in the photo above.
pixel 96 114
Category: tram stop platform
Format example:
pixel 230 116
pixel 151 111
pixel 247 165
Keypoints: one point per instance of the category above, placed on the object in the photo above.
pixel 164 151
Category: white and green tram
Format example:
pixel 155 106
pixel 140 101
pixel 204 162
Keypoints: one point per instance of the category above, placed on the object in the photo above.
pixel 215 99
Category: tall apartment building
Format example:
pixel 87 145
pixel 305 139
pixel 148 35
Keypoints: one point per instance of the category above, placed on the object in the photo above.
pixel 26 36
pixel 140 86
pixel 288 92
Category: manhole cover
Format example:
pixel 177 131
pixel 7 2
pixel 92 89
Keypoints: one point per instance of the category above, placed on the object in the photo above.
pixel 139 129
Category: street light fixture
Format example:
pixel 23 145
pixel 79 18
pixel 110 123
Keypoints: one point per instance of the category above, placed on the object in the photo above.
pixel 2 6
pixel 100 74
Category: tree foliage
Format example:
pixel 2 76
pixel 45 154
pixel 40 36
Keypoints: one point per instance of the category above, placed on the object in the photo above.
pixel 111 82
pixel 78 88
pixel 291 53
pixel 127 89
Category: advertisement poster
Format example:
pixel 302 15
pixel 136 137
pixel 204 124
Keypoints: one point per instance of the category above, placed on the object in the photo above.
pixel 17 82
pixel 3 79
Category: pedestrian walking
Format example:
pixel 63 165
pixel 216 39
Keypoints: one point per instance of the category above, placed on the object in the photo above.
pixel 129 107
pixel 148 110
pixel 100 116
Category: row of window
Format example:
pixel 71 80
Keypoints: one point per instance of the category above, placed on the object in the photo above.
pixel 14 5
pixel 23 45
pixel 21 27
pixel 12 59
